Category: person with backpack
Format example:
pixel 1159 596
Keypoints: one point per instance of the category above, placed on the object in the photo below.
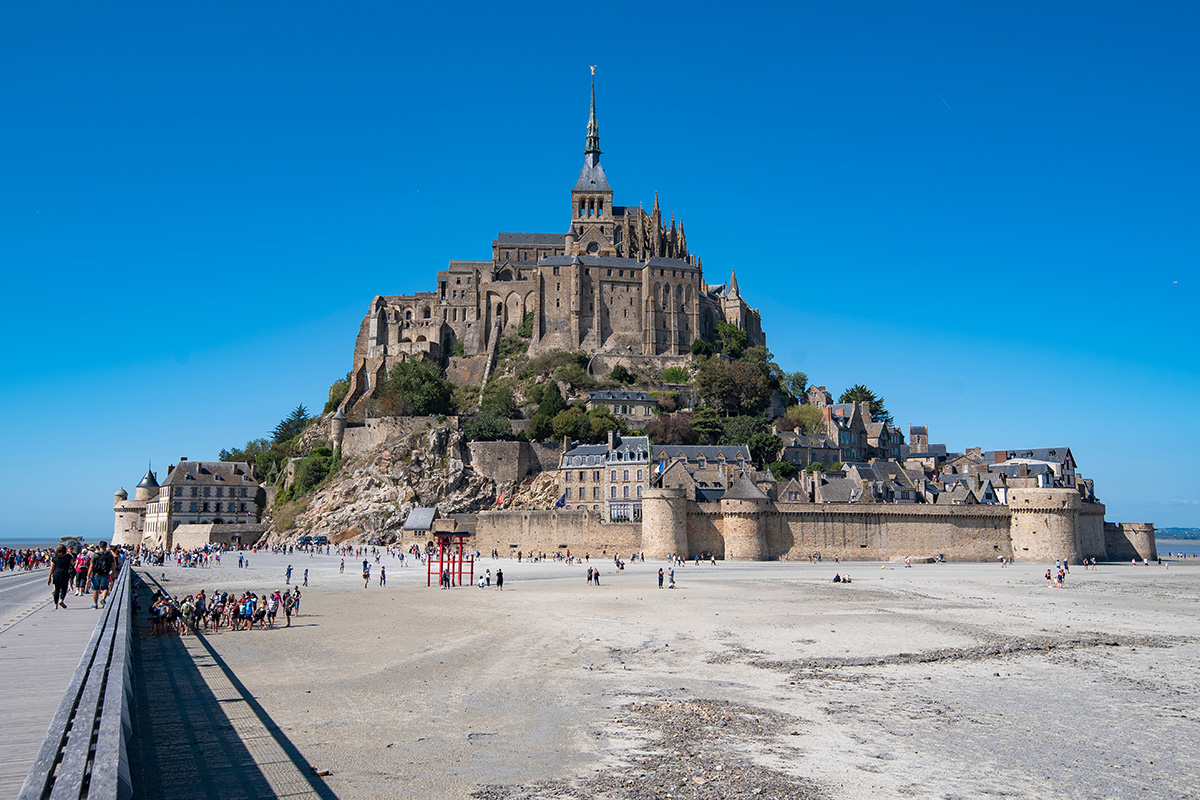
pixel 99 569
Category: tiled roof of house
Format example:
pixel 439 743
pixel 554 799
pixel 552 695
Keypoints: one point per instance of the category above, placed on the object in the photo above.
pixel 615 394
pixel 510 237
pixel 420 519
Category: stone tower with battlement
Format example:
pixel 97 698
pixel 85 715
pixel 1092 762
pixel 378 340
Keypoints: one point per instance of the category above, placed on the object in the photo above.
pixel 1045 524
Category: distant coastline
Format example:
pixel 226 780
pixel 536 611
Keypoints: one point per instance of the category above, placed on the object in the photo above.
pixel 1177 533
pixel 23 542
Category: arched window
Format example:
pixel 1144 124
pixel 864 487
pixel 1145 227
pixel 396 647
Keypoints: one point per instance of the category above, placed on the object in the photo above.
pixel 427 313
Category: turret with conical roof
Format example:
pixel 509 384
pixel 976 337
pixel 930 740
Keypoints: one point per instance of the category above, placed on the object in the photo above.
pixel 147 488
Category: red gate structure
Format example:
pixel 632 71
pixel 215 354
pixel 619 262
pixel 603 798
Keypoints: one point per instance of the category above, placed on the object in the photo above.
pixel 452 559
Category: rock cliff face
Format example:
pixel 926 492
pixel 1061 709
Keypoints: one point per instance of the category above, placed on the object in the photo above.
pixel 373 493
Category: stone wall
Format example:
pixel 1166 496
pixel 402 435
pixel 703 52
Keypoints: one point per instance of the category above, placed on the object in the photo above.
pixel 553 531
pixel 1128 540
pixel 512 462
pixel 376 431
pixel 189 537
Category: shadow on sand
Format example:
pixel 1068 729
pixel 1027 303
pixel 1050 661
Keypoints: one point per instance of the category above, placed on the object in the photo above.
pixel 191 742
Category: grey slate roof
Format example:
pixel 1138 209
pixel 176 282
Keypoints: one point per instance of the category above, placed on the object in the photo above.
pixel 148 481
pixel 612 394
pixel 204 471
pixel 838 490
pixel 511 237
pixel 817 440
pixel 711 452
pixel 592 178
pixel 744 489
pixel 420 519
pixel 709 495
pixel 632 444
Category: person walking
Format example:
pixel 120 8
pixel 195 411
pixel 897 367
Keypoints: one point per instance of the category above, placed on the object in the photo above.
pixel 62 567
pixel 98 572
pixel 500 579
pixel 660 577
pixel 342 567
pixel 382 575
pixel 366 574
pixel 306 577
pixel 287 581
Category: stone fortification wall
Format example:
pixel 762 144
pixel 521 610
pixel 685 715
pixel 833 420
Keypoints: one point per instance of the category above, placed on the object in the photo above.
pixel 1045 524
pixel 664 523
pixel 1091 531
pixel 551 531
pixel 378 431
pixel 189 537
pixel 852 531
pixel 1129 540
pixel 511 462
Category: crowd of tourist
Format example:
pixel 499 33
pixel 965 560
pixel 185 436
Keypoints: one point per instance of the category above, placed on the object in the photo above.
pixel 26 559
pixel 210 612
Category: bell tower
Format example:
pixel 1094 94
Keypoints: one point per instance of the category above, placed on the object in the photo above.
pixel 592 227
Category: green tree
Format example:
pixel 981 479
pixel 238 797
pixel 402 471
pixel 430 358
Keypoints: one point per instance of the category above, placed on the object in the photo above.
pixel 487 426
pixel 498 399
pixel 457 350
pixel 701 348
pixel 732 338
pixel 414 388
pixel 782 470
pixel 707 425
pixel 764 448
pixel 716 386
pixel 796 383
pixel 861 394
pixel 622 375
pixel 552 401
pixel 675 374
pixel 672 429
pixel 805 419
pixel 753 388
pixel 738 430
pixel 291 426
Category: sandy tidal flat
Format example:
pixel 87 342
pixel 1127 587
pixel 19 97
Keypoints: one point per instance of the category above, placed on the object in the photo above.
pixel 748 680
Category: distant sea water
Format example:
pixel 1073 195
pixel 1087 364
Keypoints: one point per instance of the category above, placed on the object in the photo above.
pixel 23 542
pixel 1189 547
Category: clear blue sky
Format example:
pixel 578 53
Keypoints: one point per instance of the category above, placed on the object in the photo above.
pixel 986 212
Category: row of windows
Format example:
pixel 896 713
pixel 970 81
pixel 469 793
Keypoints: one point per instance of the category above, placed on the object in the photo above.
pixel 631 410
pixel 583 476
pixel 595 492
pixel 612 475
pixel 612 492
pixel 202 507
pixel 233 491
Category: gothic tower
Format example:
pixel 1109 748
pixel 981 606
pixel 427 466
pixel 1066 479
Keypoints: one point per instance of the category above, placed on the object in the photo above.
pixel 592 226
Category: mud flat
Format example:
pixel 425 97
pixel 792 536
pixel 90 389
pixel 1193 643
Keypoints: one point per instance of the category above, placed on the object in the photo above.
pixel 748 680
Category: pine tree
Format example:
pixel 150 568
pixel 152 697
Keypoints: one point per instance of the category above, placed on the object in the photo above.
pixel 291 426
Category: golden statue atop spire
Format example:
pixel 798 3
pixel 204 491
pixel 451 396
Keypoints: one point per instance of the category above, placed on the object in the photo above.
pixel 593 66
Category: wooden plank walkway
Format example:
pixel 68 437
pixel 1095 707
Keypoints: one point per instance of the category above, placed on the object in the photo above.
pixel 40 648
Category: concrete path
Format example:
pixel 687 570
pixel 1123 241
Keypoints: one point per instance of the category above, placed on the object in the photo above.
pixel 40 648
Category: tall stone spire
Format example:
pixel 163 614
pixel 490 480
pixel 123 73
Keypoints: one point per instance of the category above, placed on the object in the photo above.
pixel 733 287
pixel 592 150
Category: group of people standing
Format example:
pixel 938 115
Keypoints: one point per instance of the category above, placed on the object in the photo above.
pixel 90 569
pixel 210 612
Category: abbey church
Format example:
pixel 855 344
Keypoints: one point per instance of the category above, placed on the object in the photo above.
pixel 618 281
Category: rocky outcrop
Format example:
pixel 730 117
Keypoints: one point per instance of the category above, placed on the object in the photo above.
pixel 373 493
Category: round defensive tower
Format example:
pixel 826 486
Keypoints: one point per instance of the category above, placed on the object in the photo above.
pixel 1141 536
pixel 664 523
pixel 147 488
pixel 743 509
pixel 337 428
pixel 1045 524
pixel 125 519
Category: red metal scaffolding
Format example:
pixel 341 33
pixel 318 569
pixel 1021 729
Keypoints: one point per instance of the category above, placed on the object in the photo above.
pixel 452 559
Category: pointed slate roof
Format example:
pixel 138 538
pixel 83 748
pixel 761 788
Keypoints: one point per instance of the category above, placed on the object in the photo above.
pixel 733 287
pixel 148 481
pixel 744 489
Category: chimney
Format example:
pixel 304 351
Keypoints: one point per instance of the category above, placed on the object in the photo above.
pixel 183 458
pixel 1024 470
pixel 999 456
pixel 610 440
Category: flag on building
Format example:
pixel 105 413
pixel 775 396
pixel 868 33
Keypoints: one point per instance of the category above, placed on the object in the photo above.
pixel 562 501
